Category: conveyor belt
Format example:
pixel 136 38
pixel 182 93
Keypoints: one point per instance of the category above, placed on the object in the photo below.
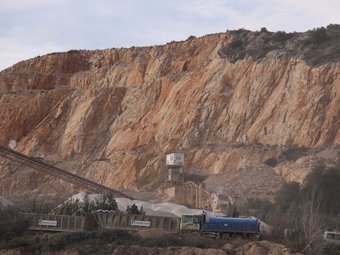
pixel 43 167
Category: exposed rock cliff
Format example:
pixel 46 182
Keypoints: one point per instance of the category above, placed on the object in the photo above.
pixel 112 115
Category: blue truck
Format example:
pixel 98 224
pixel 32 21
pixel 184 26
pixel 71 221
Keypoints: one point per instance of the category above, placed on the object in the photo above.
pixel 224 227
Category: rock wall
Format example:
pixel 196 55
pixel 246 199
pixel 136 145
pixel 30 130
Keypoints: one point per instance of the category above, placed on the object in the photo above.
pixel 112 115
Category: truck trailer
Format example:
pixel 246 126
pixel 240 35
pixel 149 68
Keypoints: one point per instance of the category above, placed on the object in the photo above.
pixel 222 226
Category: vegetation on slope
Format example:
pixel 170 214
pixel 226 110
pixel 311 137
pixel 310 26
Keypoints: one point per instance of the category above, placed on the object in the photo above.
pixel 306 211
pixel 316 47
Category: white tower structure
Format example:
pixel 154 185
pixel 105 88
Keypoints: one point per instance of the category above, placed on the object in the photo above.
pixel 175 163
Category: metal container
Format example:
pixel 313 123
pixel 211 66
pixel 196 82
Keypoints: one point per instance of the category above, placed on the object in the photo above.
pixel 64 223
pixel 117 220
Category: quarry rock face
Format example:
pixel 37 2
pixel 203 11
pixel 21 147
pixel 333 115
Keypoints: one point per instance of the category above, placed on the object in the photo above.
pixel 112 115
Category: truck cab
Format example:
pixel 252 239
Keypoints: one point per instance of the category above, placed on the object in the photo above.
pixel 190 223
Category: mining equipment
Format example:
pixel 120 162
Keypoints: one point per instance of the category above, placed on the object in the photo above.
pixel 39 165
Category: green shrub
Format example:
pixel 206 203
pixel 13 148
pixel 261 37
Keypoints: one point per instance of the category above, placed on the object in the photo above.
pixel 14 242
pixel 162 241
pixel 257 207
pixel 293 153
pixel 319 35
pixel 236 43
pixel 318 46
pixel 8 214
pixel 282 36
pixel 333 31
pixel 74 207
pixel 12 234
pixel 110 236
pixel 133 209
pixel 271 162
pixel 62 240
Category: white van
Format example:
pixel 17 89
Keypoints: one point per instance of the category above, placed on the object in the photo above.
pixel 331 238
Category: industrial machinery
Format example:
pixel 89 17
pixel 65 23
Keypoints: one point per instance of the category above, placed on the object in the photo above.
pixel 41 166
pixel 175 163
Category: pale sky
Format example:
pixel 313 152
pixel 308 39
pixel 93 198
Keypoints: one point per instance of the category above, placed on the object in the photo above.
pixel 29 28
